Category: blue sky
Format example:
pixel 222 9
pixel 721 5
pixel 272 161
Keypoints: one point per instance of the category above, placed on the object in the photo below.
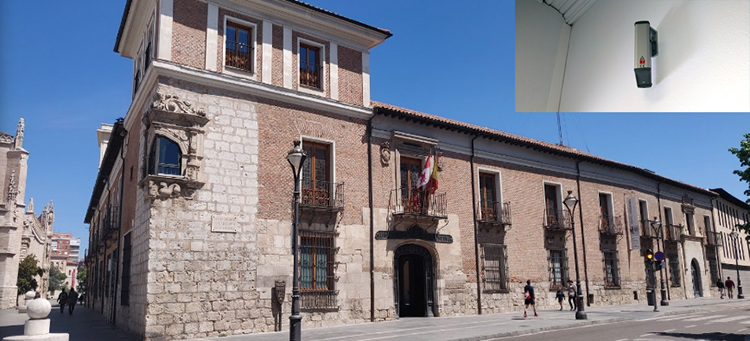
pixel 449 58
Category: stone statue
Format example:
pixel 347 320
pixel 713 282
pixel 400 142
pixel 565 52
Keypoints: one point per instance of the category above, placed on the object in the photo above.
pixel 19 134
pixel 30 207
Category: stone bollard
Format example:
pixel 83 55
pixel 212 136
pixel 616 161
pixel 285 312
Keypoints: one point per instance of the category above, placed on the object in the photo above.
pixel 37 327
pixel 27 298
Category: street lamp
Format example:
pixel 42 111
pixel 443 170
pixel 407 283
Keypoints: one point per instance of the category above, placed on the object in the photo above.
pixel 656 224
pixel 296 158
pixel 736 236
pixel 570 203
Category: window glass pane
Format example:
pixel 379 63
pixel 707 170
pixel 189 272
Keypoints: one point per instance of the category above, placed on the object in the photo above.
pixel 313 60
pixel 306 259
pixel 303 58
pixel 321 265
pixel 231 38
pixel 244 40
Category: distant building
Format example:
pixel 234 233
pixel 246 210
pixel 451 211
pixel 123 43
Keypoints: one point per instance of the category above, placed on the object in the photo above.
pixel 65 250
pixel 735 254
pixel 22 232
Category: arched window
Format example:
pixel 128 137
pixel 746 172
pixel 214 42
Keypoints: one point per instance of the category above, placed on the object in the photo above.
pixel 165 157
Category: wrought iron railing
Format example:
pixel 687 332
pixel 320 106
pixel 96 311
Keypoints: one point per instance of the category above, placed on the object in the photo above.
pixel 713 238
pixel 611 225
pixel 309 74
pixel 322 194
pixel 239 55
pixel 418 202
pixel 556 220
pixel 496 212
pixel 318 299
pixel 647 230
pixel 673 232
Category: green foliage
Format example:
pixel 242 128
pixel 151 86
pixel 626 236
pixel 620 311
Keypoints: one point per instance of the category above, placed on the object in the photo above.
pixel 27 269
pixel 743 154
pixel 81 280
pixel 56 279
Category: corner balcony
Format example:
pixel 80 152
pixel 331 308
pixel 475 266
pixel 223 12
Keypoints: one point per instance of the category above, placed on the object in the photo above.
pixel 714 239
pixel 673 232
pixel 647 231
pixel 495 217
pixel 610 225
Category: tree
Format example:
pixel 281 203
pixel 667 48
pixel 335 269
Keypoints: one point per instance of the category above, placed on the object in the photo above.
pixel 27 269
pixel 56 279
pixel 743 153
pixel 81 277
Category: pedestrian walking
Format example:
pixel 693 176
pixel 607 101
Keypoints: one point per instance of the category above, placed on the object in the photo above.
pixel 720 285
pixel 560 296
pixel 528 298
pixel 730 287
pixel 572 296
pixel 72 299
pixel 62 299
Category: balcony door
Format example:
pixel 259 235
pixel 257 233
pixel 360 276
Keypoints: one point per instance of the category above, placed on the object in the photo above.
pixel 487 197
pixel 316 174
pixel 410 194
pixel 551 206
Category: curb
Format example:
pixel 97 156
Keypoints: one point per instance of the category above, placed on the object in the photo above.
pixel 542 329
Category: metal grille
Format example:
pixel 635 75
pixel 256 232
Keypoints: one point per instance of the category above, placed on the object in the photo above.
pixel 557 267
pixel 611 269
pixel 322 194
pixel 317 277
pixel 495 268
pixel 674 270
pixel 497 212
pixel 556 221
pixel 418 202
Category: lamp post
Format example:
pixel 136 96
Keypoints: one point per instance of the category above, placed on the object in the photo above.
pixel 656 224
pixel 570 203
pixel 296 158
pixel 735 237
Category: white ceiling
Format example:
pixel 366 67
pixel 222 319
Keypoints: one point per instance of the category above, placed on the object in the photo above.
pixel 571 10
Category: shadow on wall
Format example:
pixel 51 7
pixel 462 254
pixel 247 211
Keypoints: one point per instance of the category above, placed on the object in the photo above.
pixel 676 40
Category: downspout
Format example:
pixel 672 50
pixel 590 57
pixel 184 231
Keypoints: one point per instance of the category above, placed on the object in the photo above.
pixel 123 133
pixel 658 208
pixel 719 270
pixel 372 217
pixel 476 244
pixel 583 235
pixel 104 292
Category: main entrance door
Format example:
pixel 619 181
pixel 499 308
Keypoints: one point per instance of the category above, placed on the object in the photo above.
pixel 697 287
pixel 413 281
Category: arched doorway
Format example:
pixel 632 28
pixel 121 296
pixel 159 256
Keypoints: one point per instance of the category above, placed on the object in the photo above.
pixel 413 281
pixel 695 271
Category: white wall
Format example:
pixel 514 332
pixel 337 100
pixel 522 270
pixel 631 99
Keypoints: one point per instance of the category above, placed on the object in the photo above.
pixel 703 62
pixel 541 46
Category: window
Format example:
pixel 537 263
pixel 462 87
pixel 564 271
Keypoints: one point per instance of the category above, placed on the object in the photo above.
pixel 238 47
pixel 674 269
pixel 316 188
pixel 605 221
pixel 165 157
pixel 125 289
pixel 611 270
pixel 558 265
pixel 487 197
pixel 143 59
pixel 410 170
pixel 689 221
pixel 309 65
pixel 643 208
pixel 317 275
pixel 551 206
pixel 495 268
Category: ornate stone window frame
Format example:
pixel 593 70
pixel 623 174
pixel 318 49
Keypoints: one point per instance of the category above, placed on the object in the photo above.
pixel 177 120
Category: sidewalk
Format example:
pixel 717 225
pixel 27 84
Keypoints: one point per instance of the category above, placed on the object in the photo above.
pixel 85 324
pixel 481 327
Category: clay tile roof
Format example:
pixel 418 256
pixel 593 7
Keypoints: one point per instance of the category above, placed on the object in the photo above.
pixel 441 122
pixel 325 11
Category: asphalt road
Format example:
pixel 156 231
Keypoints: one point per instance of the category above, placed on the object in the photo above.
pixel 720 323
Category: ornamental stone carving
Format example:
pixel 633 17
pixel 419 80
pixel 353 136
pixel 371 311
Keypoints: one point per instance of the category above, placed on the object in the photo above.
pixel 181 122
pixel 385 153
pixel 6 138
pixel 19 134
pixel 12 189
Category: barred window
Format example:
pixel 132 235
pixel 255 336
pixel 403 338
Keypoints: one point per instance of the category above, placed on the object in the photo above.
pixel 238 47
pixel 674 270
pixel 317 277
pixel 611 269
pixel 309 65
pixel 558 265
pixel 495 268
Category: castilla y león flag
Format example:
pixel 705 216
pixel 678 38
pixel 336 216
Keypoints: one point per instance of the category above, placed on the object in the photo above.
pixel 432 184
pixel 424 177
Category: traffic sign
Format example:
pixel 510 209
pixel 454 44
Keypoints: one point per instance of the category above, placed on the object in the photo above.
pixel 659 256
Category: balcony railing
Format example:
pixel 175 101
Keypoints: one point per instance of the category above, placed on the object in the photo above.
pixel 309 74
pixel 673 232
pixel 418 203
pixel 322 195
pixel 713 238
pixel 611 225
pixel 647 230
pixel 496 213
pixel 239 55
pixel 319 299
pixel 555 221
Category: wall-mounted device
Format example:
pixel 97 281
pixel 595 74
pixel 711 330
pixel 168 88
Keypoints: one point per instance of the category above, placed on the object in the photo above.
pixel 645 49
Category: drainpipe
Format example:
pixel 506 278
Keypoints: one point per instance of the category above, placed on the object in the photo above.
pixel 583 235
pixel 104 292
pixel 476 244
pixel 123 134
pixel 719 270
pixel 658 204
pixel 372 217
